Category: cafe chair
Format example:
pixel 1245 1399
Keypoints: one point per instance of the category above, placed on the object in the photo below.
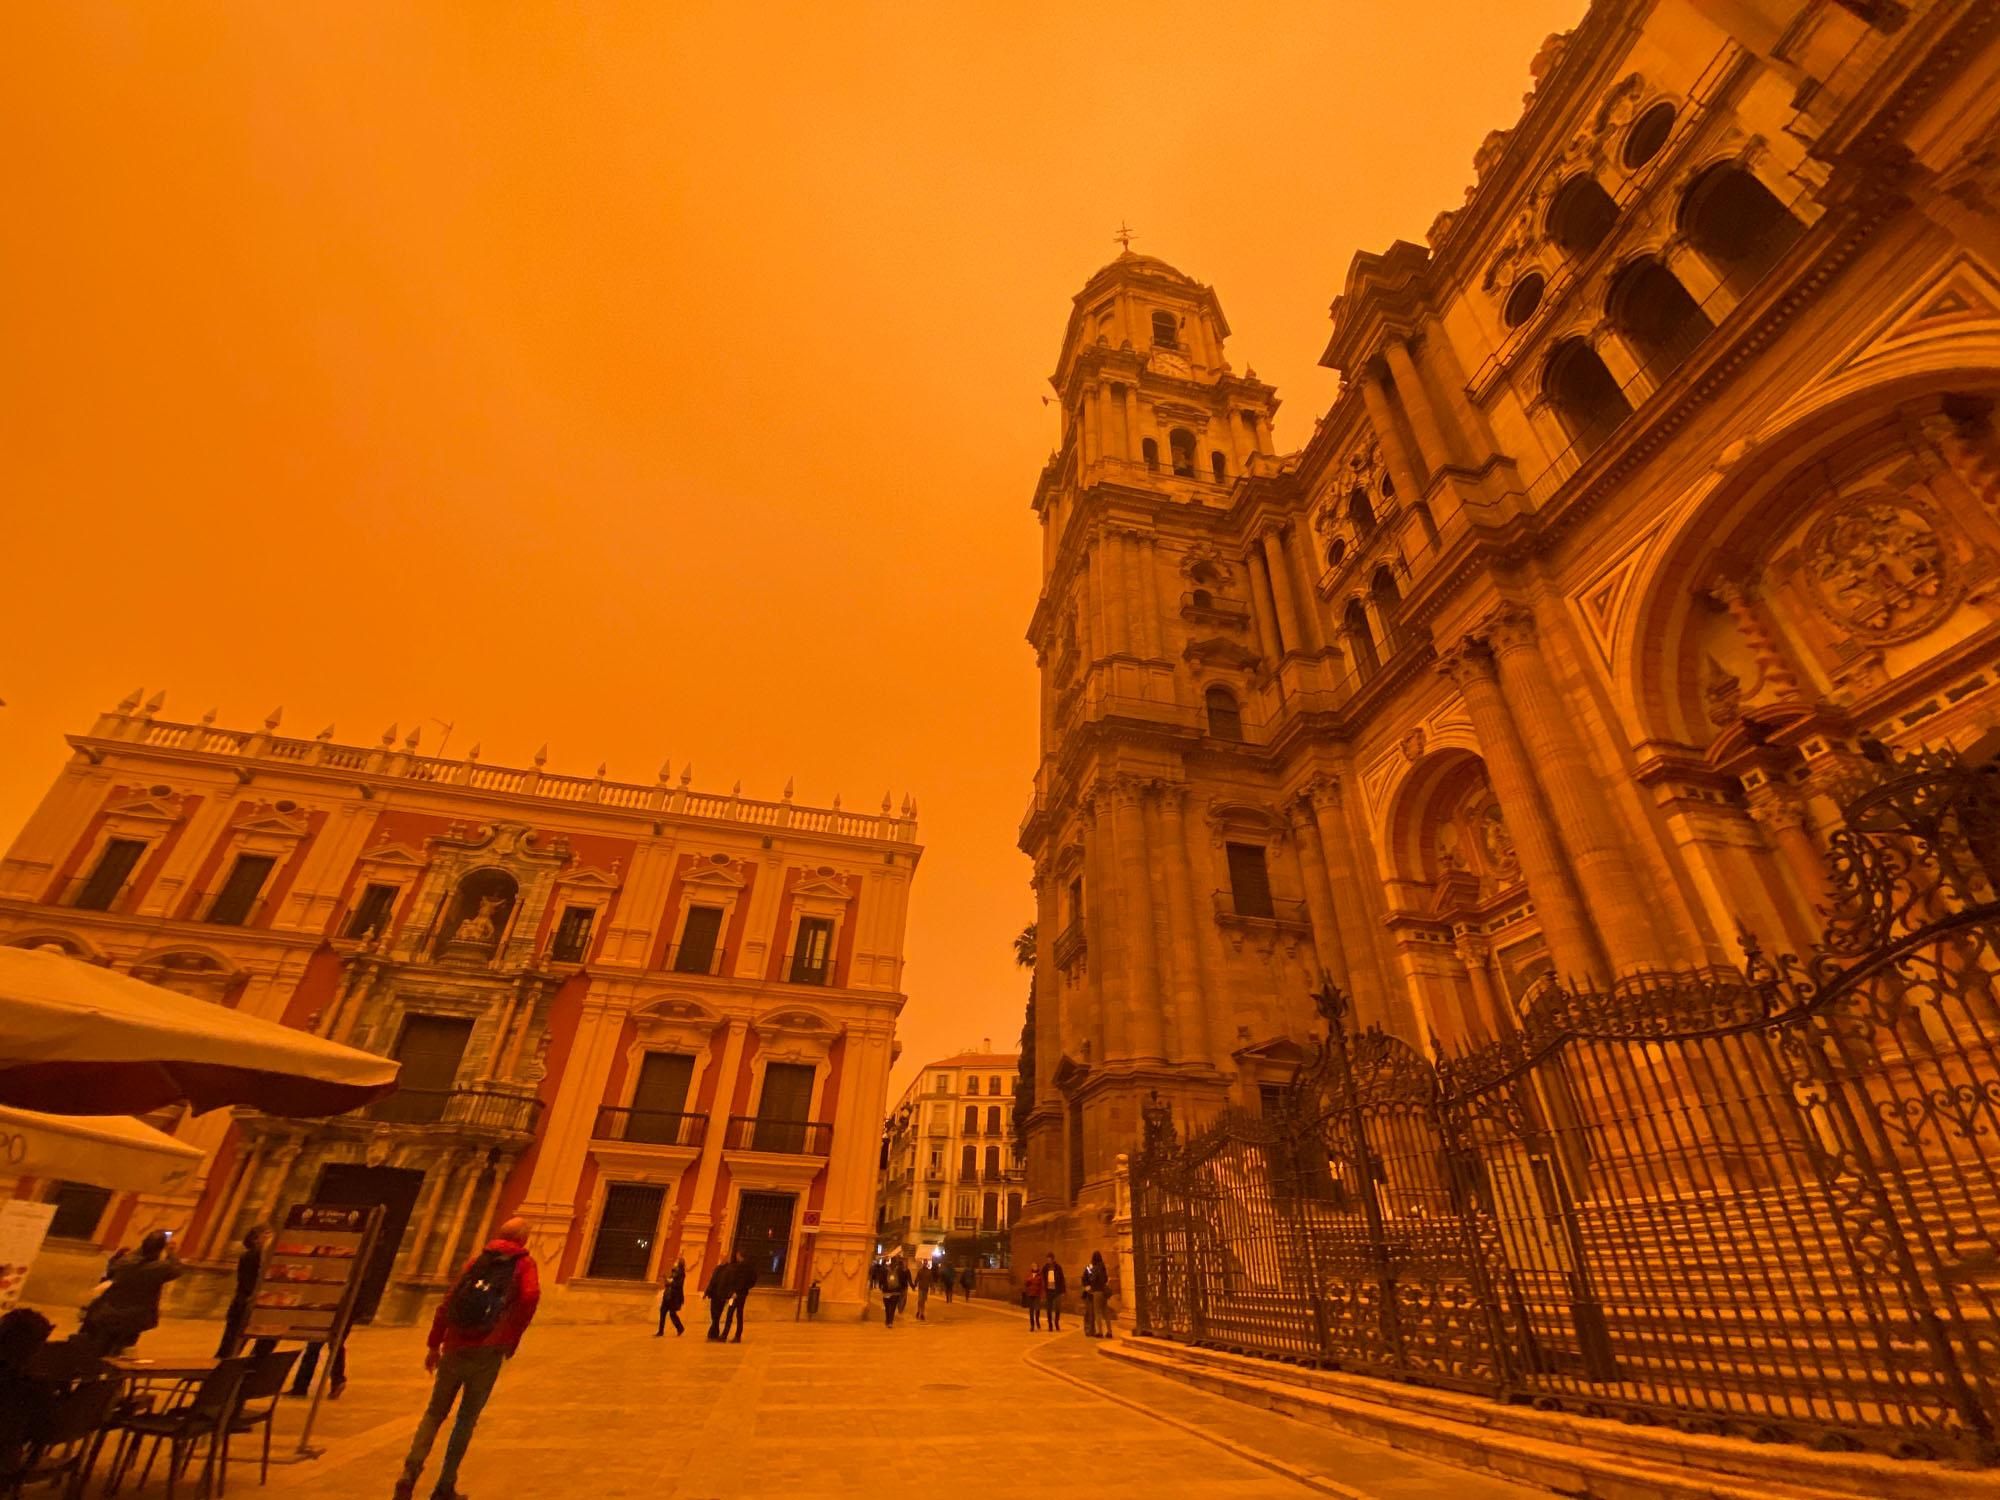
pixel 69 1442
pixel 204 1413
pixel 257 1406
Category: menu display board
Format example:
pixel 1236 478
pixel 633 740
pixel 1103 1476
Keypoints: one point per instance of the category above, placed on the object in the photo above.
pixel 312 1267
pixel 23 1226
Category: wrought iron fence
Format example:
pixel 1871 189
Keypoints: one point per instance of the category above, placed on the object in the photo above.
pixel 1762 1201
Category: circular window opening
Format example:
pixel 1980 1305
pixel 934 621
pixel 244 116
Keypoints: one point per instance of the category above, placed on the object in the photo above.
pixel 287 806
pixel 1388 488
pixel 1648 133
pixel 1523 300
pixel 718 859
pixel 160 791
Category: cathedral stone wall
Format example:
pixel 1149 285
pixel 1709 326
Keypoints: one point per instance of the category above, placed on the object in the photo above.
pixel 1662 490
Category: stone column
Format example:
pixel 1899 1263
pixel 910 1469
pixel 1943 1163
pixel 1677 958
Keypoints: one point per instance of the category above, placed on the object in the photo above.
pixel 1144 602
pixel 1381 417
pixel 1089 427
pixel 1327 944
pixel 845 1242
pixel 1432 439
pixel 565 1138
pixel 437 1185
pixel 1103 930
pixel 1300 549
pixel 1363 979
pixel 229 1202
pixel 1190 1040
pixel 1143 1000
pixel 1603 866
pixel 1780 810
pixel 1564 923
pixel 1048 981
pixel 1268 641
pixel 694 1229
pixel 441 1265
pixel 1493 1018
pixel 1281 591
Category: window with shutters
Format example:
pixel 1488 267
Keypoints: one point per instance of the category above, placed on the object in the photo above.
pixel 784 1105
pixel 626 1231
pixel 989 1212
pixel 236 900
pixel 659 1098
pixel 968 1163
pixel 1249 881
pixel 992 1163
pixel 114 867
pixel 573 934
pixel 698 952
pixel 971 1119
pixel 79 1210
pixel 993 1119
pixel 972 1083
pixel 812 951
pixel 371 912
pixel 430 1049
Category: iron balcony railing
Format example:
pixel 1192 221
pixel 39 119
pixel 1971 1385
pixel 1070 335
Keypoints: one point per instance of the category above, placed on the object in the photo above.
pixel 1275 909
pixel 650 1127
pixel 806 968
pixel 695 958
pixel 780 1137
pixel 479 1108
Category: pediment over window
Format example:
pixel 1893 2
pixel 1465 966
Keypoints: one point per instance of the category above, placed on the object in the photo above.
pixel 591 878
pixel 714 878
pixel 1216 651
pixel 399 855
pixel 274 825
pixel 822 888
pixel 146 809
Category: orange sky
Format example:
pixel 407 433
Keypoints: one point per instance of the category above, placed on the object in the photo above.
pixel 645 378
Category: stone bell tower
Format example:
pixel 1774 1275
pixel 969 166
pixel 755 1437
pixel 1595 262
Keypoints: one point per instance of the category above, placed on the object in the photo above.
pixel 1160 438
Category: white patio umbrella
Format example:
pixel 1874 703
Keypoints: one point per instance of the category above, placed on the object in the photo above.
pixel 79 1040
pixel 108 1151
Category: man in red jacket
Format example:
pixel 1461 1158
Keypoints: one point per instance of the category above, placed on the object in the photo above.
pixel 478 1326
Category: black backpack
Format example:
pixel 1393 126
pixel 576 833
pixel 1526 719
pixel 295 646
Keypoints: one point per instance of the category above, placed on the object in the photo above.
pixel 479 1301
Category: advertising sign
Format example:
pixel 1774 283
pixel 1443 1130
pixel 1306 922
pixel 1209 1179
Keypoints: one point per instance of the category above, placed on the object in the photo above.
pixel 23 1226
pixel 311 1269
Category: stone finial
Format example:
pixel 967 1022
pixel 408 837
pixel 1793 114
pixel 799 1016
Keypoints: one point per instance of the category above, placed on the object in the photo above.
pixel 788 788
pixel 271 719
pixel 325 734
pixel 155 703
pixel 666 770
pixel 602 767
pixel 887 805
pixel 737 790
pixel 473 753
pixel 687 775
pixel 836 802
pixel 209 717
pixel 541 757
pixel 410 740
pixel 130 701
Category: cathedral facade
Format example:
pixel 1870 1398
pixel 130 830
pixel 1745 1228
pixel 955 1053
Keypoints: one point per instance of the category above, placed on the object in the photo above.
pixel 656 1023
pixel 1662 490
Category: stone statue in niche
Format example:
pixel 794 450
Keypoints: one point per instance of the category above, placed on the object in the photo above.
pixel 1879 568
pixel 480 927
pixel 1497 843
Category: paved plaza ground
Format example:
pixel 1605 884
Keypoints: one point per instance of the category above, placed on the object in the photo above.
pixel 963 1405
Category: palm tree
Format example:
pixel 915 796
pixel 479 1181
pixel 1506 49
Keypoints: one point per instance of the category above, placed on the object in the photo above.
pixel 1024 947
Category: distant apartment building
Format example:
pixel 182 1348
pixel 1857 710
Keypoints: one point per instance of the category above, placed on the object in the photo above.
pixel 952 1178
pixel 654 1022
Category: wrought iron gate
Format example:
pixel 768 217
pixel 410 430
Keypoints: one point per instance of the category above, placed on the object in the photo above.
pixel 1763 1201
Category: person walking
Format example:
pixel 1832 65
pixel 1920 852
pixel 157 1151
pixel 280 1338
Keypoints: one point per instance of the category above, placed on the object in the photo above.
pixel 308 1365
pixel 1053 1287
pixel 895 1286
pixel 746 1278
pixel 966 1277
pixel 721 1287
pixel 249 1268
pixel 1096 1298
pixel 673 1297
pixel 944 1271
pixel 129 1305
pixel 477 1328
pixel 1031 1293
pixel 925 1276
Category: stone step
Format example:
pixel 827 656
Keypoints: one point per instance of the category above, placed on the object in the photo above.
pixel 1569 1454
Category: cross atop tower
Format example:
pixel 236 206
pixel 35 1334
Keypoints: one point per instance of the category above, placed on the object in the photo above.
pixel 1124 236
